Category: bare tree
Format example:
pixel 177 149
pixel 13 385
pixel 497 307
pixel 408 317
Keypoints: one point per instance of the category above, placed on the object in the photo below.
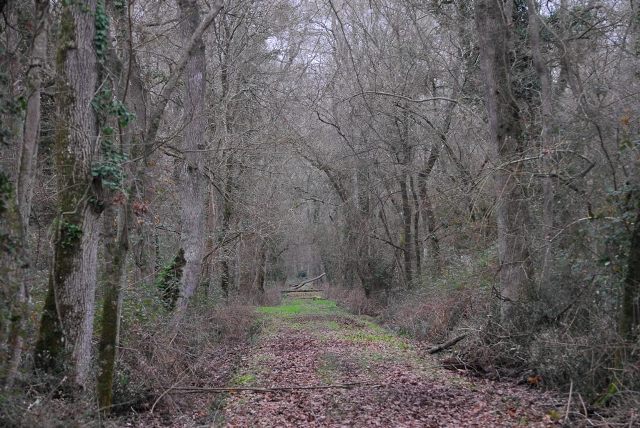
pixel 191 170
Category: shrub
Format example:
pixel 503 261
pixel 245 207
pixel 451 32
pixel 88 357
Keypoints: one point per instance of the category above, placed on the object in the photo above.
pixel 354 300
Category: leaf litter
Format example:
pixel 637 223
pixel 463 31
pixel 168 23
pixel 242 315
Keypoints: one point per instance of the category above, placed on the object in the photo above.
pixel 402 386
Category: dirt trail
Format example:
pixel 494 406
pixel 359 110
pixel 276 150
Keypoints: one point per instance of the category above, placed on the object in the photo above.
pixel 310 342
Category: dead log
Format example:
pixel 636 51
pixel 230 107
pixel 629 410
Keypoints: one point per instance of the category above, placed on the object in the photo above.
pixel 447 344
pixel 295 286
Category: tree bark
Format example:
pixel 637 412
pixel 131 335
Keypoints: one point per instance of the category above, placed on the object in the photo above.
pixel 417 246
pixel 495 40
pixel 31 130
pixel 261 268
pixel 24 183
pixel 227 212
pixel 12 301
pixel 547 143
pixel 117 246
pixel 211 247
pixel 73 274
pixel 117 219
pixel 191 171
pixel 67 324
pixel 407 240
pixel 630 311
pixel 428 215
pixel 630 316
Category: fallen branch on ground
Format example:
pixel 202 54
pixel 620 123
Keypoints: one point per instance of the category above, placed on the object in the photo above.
pixel 447 344
pixel 189 389
pixel 307 281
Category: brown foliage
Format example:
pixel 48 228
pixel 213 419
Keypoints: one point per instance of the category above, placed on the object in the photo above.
pixel 159 356
pixel 431 314
pixel 355 300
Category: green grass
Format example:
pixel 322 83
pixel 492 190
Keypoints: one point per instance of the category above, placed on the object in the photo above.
pixel 245 379
pixel 332 325
pixel 302 307
pixel 376 337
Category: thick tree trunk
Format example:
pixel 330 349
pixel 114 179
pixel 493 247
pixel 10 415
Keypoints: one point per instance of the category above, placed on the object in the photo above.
pixel 67 342
pixel 191 171
pixel 495 37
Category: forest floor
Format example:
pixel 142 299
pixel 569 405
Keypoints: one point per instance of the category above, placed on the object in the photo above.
pixel 393 382
pixel 386 380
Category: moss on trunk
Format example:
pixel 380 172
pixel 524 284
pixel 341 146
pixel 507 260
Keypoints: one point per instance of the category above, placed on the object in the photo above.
pixel 168 281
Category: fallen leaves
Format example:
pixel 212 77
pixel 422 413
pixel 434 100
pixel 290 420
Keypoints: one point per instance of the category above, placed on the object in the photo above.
pixel 308 350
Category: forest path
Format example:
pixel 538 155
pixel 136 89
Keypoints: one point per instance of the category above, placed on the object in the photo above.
pixel 313 342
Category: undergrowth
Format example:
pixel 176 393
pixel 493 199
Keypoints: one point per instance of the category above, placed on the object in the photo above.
pixel 155 354
pixel 575 349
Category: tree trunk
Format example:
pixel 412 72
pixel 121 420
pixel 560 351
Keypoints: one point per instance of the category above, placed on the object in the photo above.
pixel 24 185
pixel 31 130
pixel 407 240
pixel 117 246
pixel 547 143
pixel 495 38
pixel 66 343
pixel 428 215
pixel 12 301
pixel 227 212
pixel 191 171
pixel 635 28
pixel 416 227
pixel 261 269
pixel 630 316
pixel 117 219
pixel 211 250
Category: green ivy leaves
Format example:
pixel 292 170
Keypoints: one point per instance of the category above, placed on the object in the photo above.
pixel 109 169
pixel 70 234
pixel 100 40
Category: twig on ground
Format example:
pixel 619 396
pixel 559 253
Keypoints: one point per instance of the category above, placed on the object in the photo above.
pixel 566 413
pixel 189 389
pixel 584 407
